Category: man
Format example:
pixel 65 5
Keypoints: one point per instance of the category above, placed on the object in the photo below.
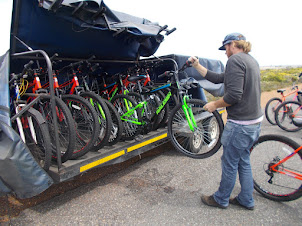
pixel 242 101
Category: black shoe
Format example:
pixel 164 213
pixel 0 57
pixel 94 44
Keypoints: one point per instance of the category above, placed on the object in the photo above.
pixel 234 201
pixel 210 201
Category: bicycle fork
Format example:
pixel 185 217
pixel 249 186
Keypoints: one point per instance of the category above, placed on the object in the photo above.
pixel 30 125
pixel 189 114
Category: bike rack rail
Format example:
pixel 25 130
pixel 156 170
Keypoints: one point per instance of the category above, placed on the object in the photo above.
pixel 106 156
pixel 52 96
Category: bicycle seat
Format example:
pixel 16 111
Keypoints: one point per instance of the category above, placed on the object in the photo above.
pixel 189 83
pixel 281 90
pixel 135 78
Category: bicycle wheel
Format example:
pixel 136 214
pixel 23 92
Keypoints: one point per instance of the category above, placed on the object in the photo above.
pixel 132 120
pixel 285 114
pixel 37 137
pixel 270 109
pixel 117 125
pixel 104 118
pixel 162 118
pixel 205 140
pixel 85 124
pixel 149 110
pixel 65 128
pixel 270 149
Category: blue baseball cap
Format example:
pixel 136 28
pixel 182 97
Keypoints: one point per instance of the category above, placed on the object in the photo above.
pixel 231 37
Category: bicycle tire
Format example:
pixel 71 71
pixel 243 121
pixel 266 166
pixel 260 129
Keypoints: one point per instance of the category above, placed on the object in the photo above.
pixel 164 114
pixel 65 126
pixel 285 114
pixel 268 150
pixel 270 109
pixel 117 125
pixel 40 147
pixel 122 103
pixel 205 140
pixel 85 123
pixel 104 118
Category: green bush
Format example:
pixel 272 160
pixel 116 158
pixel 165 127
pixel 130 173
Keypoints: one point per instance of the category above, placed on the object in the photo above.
pixel 273 79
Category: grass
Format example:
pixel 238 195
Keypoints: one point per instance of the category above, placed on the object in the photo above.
pixel 272 79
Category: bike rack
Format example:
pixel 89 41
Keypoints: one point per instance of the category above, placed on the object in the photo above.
pixel 106 156
pixel 52 97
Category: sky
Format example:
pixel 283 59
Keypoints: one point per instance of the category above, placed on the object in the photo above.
pixel 272 26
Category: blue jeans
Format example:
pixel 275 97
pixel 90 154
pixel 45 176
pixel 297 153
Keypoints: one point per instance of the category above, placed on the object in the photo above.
pixel 237 141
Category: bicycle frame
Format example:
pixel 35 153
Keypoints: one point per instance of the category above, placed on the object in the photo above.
pixel 187 109
pixel 24 123
pixel 290 173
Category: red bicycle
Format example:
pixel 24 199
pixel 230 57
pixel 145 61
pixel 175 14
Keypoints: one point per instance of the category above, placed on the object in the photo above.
pixel 277 168
pixel 272 105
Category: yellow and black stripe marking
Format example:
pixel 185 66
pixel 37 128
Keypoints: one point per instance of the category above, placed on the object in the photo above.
pixel 120 153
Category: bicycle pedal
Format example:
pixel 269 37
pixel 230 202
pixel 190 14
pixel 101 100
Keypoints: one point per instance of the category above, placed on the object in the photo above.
pixel 139 137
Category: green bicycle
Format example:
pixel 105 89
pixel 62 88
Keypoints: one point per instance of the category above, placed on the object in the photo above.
pixel 192 130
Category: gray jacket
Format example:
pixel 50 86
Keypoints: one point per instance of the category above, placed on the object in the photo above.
pixel 242 87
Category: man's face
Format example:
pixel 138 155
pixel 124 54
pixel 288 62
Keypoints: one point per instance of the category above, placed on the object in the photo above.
pixel 228 50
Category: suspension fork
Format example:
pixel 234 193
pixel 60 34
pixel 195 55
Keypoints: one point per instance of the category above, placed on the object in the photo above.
pixel 189 114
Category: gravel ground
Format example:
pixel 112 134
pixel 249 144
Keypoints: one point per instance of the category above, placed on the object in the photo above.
pixel 158 190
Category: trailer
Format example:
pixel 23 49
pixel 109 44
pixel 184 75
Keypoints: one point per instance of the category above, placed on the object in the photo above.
pixel 76 30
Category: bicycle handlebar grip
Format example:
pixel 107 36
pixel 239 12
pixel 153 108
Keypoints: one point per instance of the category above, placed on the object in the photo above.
pixel 193 86
pixel 170 31
pixel 75 64
pixel 94 67
pixel 162 28
pixel 27 66
pixel 54 56
pixel 166 73
pixel 91 58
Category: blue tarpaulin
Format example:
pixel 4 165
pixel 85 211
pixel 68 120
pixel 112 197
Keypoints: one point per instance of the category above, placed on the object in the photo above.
pixel 72 29
pixel 82 30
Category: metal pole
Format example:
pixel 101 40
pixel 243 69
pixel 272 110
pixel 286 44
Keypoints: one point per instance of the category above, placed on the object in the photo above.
pixel 52 98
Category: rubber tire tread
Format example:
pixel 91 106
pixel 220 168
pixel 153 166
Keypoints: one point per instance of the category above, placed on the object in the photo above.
pixel 181 149
pixel 43 133
pixel 267 106
pixel 117 120
pixel 278 121
pixel 70 124
pixel 97 99
pixel 294 145
pixel 95 124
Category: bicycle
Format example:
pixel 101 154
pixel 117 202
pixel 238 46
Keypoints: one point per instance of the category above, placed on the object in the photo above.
pixel 286 113
pixel 276 166
pixel 274 103
pixel 88 120
pixel 30 124
pixel 117 126
pixel 66 131
pixel 192 130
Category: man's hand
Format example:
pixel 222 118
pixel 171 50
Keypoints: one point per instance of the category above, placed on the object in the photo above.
pixel 210 107
pixel 194 61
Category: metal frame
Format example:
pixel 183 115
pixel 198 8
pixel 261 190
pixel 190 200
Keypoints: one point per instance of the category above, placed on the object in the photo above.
pixel 109 155
pixel 52 97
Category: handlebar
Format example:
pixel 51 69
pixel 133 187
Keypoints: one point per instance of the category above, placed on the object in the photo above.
pixel 171 31
pixel 166 74
pixel 27 66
